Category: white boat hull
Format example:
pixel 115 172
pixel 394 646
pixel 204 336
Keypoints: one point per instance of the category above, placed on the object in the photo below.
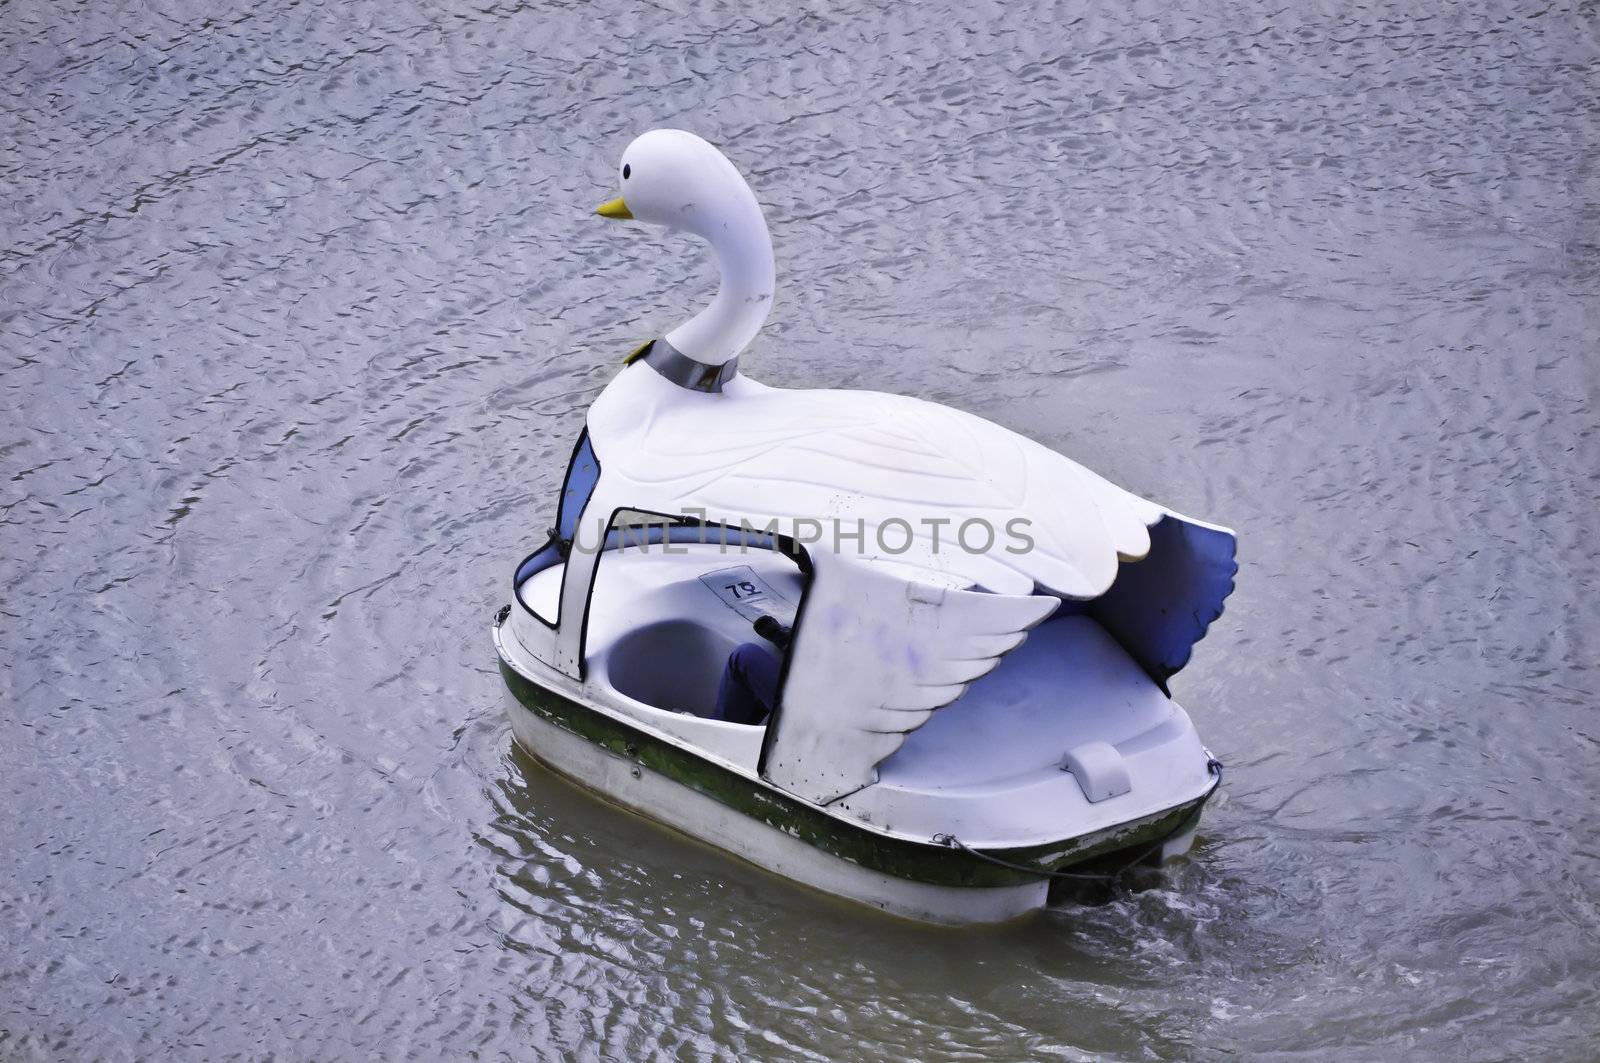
pixel 623 781
pixel 952 831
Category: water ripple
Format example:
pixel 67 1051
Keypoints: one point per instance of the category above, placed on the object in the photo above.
pixel 300 310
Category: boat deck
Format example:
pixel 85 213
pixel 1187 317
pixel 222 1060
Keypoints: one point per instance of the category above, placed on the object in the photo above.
pixel 989 767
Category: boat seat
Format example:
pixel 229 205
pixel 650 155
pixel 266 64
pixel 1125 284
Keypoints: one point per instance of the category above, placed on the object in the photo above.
pixel 697 654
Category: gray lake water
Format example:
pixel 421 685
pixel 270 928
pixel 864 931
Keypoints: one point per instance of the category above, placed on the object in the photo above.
pixel 301 306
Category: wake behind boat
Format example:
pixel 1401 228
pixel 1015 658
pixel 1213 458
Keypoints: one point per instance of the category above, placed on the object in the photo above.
pixel 948 729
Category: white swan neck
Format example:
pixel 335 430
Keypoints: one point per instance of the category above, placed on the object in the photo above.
pixel 744 258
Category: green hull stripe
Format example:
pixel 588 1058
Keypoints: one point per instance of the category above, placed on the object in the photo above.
pixel 918 861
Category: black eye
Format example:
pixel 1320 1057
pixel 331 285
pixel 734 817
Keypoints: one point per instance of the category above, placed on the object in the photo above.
pixel 626 170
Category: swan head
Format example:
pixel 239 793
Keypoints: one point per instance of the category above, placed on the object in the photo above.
pixel 673 178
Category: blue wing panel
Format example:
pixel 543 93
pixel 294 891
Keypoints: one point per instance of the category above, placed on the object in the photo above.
pixel 1160 606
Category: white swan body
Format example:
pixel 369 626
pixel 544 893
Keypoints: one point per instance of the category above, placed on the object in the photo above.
pixel 909 606
pixel 897 478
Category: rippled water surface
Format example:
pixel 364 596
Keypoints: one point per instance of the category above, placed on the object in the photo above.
pixel 300 310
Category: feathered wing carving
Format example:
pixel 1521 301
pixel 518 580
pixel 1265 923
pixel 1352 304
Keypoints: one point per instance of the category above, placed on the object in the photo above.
pixel 878 649
pixel 760 453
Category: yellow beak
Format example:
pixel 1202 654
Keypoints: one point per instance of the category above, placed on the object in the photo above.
pixel 614 208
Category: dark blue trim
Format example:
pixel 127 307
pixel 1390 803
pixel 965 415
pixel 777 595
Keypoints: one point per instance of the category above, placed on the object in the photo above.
pixel 583 472
pixel 1161 605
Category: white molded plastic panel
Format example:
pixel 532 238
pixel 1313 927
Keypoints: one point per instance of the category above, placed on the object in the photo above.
pixel 1099 769
pixel 875 654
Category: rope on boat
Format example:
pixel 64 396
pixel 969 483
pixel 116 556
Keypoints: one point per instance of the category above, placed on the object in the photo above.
pixel 1213 766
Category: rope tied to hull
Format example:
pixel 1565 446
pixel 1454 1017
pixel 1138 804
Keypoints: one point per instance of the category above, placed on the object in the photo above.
pixel 1213 767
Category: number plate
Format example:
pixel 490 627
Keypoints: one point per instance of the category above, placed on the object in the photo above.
pixel 747 594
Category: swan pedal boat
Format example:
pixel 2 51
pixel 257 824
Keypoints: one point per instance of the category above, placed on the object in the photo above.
pixel 954 729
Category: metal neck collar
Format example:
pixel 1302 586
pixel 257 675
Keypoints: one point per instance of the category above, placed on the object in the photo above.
pixel 684 371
